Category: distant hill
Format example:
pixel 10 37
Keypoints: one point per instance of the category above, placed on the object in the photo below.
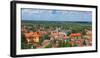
pixel 56 22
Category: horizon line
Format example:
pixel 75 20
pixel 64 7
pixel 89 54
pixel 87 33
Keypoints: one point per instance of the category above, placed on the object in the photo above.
pixel 58 20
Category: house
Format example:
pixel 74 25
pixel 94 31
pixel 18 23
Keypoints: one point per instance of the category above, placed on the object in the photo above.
pixel 75 35
pixel 59 35
pixel 32 36
pixel 36 36
pixel 28 36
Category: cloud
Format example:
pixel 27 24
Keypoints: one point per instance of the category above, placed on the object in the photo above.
pixel 56 15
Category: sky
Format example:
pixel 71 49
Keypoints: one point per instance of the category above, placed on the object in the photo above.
pixel 55 15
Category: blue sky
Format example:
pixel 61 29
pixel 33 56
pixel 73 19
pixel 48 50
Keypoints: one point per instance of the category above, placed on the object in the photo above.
pixel 55 15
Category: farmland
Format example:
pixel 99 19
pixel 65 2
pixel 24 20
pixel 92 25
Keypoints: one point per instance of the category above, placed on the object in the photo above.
pixel 55 34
